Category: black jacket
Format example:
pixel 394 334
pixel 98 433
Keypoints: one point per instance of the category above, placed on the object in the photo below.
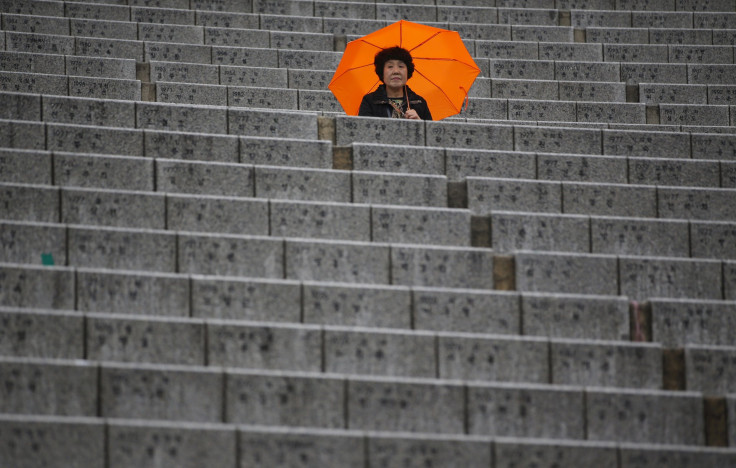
pixel 376 104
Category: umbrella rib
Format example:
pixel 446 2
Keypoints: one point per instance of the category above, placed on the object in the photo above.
pixel 442 91
pixel 426 40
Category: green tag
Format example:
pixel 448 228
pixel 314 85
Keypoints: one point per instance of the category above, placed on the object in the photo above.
pixel 47 259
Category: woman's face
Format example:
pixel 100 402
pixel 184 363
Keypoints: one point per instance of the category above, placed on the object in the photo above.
pixel 394 74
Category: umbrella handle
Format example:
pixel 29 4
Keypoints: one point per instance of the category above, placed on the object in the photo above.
pixel 406 93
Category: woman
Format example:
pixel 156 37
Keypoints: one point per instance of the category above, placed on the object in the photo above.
pixel 394 66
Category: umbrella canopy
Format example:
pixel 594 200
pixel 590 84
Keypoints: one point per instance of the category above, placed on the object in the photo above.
pixel 444 71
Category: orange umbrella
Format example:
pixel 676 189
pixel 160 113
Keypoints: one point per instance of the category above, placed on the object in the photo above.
pixel 444 71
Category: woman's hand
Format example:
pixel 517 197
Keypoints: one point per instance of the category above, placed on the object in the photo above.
pixel 412 114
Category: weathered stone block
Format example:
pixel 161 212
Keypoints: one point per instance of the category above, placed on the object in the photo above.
pixel 442 266
pixel 347 262
pixel 512 231
pixel 320 220
pixel 191 146
pixel 302 184
pixel 486 195
pixel 124 249
pixel 566 273
pixel 113 208
pixel 453 310
pixel 642 277
pixel 41 334
pixel 229 255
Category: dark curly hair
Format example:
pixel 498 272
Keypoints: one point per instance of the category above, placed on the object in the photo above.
pixel 393 53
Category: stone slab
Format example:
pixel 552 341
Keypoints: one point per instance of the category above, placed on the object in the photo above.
pixel 427 450
pixel 197 94
pixel 320 220
pixel 34 83
pixel 303 184
pixel 144 340
pixel 694 114
pixel 700 54
pixel 636 236
pixel 112 208
pixel 298 40
pixel 565 51
pixel 39 387
pixel 350 130
pixel 92 112
pixel 710 369
pixel 291 23
pixel 204 178
pixel 230 255
pixel 644 277
pixel 512 231
pixel 171 33
pixel 242 56
pixel 696 203
pixel 98 11
pixel 580 168
pixel 160 392
pixel 346 262
pixel 191 146
pixel 309 59
pixel 105 47
pixel 678 323
pixel 606 364
pixel 592 91
pixel 25 166
pixel 37 8
pixel 308 79
pixel 541 33
pixel 399 189
pixel 469 135
pixel 719 94
pixel 272 124
pixel 586 71
pixel 520 50
pixel 19 134
pixel 398 159
pixel 246 299
pixel 104 88
pixel 135 443
pixel 37 287
pixel 420 226
pixel 557 140
pixel 643 456
pixel 122 249
pixel 680 36
pixel 713 146
pixel 674 172
pixel 635 73
pixel 108 172
pixel 486 195
pixel 180 117
pixel 177 52
pixel 30 203
pixel 616 35
pixel 509 451
pixel 39 43
pixel 41 334
pixel 318 101
pixel 279 399
pixel 26 62
pixel 522 69
pixel 29 243
pixel 286 152
pixel 645 416
pixel 203 213
pixel 357 305
pixel 417 406
pixel 647 53
pixel 263 98
pixel 609 199
pixel 661 19
pixel 536 110
pixel 525 411
pixel 255 346
pixel 462 163
pixel 132 293
pixel 262 77
pixel 713 240
pixel 174 72
pixel 452 267
pixel 593 18
pixel 225 16
pixel 82 27
pixel 611 112
pixel 236 37
pixel 566 273
pixel 101 67
pixel 524 89
pixel 646 144
pixel 507 359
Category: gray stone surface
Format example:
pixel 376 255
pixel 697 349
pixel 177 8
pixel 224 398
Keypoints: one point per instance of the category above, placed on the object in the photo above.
pixel 694 114
pixel 103 29
pixel 455 310
pixel 713 240
pixel 175 117
pixel 25 166
pixel 286 152
pixel 678 323
pixel 710 369
pixel 452 267
pixel 122 249
pixel 347 262
pixel 696 203
pixel 246 299
pixel 508 452
pixel 369 352
pixel 520 50
pixel 525 411
pixel 20 106
pixel 557 140
pixel 308 79
pixel 318 101
pixel 112 208
pixel 635 73
pixel 101 67
pixel 302 184
pixel 294 447
pixel 486 195
pixel 301 40
pixel 104 88
pixel 243 56
pixel 202 73
pixel 320 220
pixel 680 36
pixel 135 443
pixel 132 293
pixel 309 59
pixel 230 255
pixel 562 51
pixel 647 144
pixel 236 37
pixel 509 359
pixel 653 93
pixel 30 203
pixel 570 316
pixel 136 391
pixel 217 214
pixel 520 32
pixel 728 174
pixel 398 159
pixel 204 178
pixel 33 83
pixel 512 231
pixel 636 236
pixel 586 71
pixel 256 346
pixel 611 112
pixel 524 89
pixel 98 11
pixel 595 17
pixel 394 405
pixel 579 168
pixel 713 146
pixel 23 242
pixel 94 112
pixel 609 199
pixel 700 54
pixel 592 91
pixel 644 277
pixel 30 62
pixel 522 69
pixel 720 94
pixel 524 109
pixel 275 124
pixel 38 387
pixel 29 443
pixel 254 76
pixel 674 172
pixel 420 226
pixel 265 98
pixel 399 189
pixel 37 287
pixel 171 33
pixel 37 8
pixel 19 134
pixel 279 399
pixel 529 16
pixel 425 450
pixel 140 340
pixel 41 334
pixel 566 273
pixel 462 163
pixel 645 416
pixel 290 23
pixel 39 43
pixel 104 47
pixel 606 364
pixel 469 135
pixel 178 52
pixel 616 35
pixel 108 172
pixel 191 146
pixel 643 456
pixel 377 130
pixel 661 19
pixel 185 93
